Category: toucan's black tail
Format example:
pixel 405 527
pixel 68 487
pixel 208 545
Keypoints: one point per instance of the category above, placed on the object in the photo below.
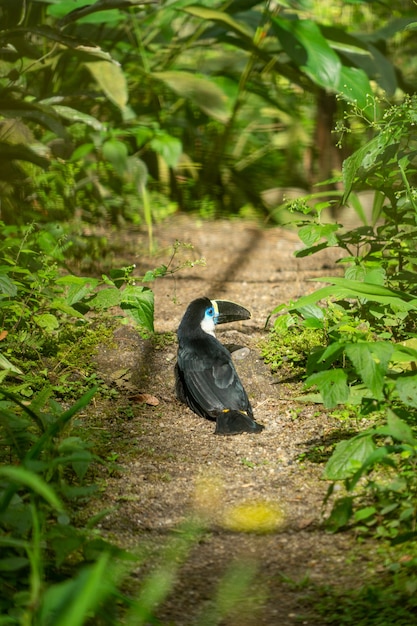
pixel 232 422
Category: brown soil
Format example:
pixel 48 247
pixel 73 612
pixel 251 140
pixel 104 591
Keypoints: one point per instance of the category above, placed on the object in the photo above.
pixel 172 465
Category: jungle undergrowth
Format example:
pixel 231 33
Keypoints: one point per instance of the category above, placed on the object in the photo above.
pixel 365 356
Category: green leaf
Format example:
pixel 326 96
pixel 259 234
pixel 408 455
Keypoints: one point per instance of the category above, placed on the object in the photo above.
pixel 201 91
pixel 365 513
pixel 73 602
pixel 345 288
pixel 138 302
pixel 106 298
pixel 309 50
pixel 355 86
pixel 111 79
pixel 60 305
pixel 116 152
pixel 348 456
pixel 22 476
pixel 332 385
pixel 79 290
pixel 219 17
pixel 7 365
pixel 311 311
pixel 398 429
pixel 73 115
pixel 340 514
pixel 371 360
pixel 406 387
pixel 47 321
pixel 321 358
pixel 169 147
pixel 20 152
pixel 92 11
pixel 12 564
pixel 7 286
pixel 359 165
pixel 57 425
pixel 340 40
pixel 312 233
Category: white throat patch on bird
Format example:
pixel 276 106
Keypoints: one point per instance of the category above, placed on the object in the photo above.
pixel 208 323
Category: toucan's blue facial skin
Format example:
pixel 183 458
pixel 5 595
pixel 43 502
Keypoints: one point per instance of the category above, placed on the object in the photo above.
pixel 210 319
pixel 205 376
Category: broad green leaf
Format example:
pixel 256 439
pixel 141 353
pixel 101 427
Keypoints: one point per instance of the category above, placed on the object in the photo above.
pixel 320 294
pixel 105 12
pixel 68 41
pixel 312 233
pixel 47 321
pixel 340 514
pixel 111 79
pixel 220 17
pixel 200 90
pixel 398 429
pixel 364 288
pixel 311 250
pixel 322 358
pixel 73 115
pixel 106 298
pixel 306 46
pixel 55 427
pixel 73 602
pixel 6 365
pixel 355 86
pixel 365 159
pixel 21 476
pixel 20 152
pixel 340 40
pixel 348 456
pixel 311 311
pixel 12 564
pixel 7 286
pixel 60 305
pixel 405 355
pixel 344 288
pixel 138 302
pixel 365 513
pixel 406 387
pixel 378 67
pixel 116 152
pixel 371 360
pixel 283 322
pixel 79 292
pixel 78 288
pixel 169 147
pixel 332 385
pixel 381 454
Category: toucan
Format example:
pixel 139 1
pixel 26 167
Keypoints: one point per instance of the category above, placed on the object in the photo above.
pixel 205 377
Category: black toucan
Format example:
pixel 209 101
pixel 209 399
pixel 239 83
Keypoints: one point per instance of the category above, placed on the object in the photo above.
pixel 205 377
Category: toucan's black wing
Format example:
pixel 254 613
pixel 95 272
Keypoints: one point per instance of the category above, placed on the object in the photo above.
pixel 215 388
pixel 209 380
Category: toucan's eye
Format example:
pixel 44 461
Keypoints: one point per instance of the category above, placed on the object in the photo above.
pixel 210 311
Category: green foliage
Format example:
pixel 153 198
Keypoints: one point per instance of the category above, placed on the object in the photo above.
pixel 290 346
pixel 54 572
pixel 42 310
pixel 365 323
pixel 37 537
pixel 391 601
pixel 117 124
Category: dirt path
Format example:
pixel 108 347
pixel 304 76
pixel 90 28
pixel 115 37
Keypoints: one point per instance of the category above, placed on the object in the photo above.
pixel 173 464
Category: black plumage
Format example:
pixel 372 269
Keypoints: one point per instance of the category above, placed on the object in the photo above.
pixel 206 379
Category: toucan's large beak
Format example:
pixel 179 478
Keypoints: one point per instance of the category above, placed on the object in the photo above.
pixel 229 311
